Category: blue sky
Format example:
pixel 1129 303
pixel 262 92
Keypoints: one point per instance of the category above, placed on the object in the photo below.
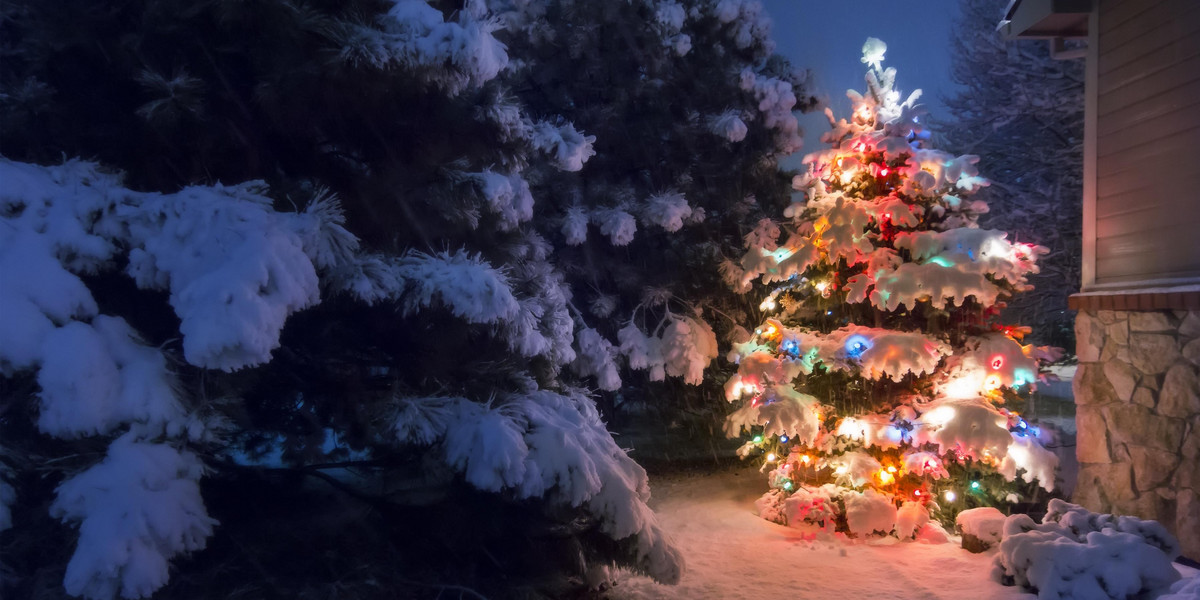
pixel 827 37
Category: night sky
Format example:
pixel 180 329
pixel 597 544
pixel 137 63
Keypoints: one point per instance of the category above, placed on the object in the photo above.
pixel 827 37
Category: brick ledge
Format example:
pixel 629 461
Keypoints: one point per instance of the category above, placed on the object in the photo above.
pixel 1136 300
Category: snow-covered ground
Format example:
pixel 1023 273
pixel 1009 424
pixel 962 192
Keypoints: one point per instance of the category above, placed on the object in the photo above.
pixel 732 554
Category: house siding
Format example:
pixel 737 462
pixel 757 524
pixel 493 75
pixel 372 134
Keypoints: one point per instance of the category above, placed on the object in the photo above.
pixel 1147 209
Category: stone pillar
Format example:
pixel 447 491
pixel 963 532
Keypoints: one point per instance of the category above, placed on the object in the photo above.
pixel 1137 401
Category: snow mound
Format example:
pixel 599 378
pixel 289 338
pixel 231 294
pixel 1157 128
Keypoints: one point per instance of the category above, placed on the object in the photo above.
pixel 985 523
pixel 1077 554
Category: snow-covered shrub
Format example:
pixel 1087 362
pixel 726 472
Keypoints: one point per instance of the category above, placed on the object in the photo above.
pixel 1078 554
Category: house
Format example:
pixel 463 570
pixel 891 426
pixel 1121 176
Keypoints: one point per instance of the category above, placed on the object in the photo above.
pixel 1138 324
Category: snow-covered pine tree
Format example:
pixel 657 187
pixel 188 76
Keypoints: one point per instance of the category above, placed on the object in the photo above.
pixel 306 254
pixel 691 111
pixel 881 390
pixel 1021 111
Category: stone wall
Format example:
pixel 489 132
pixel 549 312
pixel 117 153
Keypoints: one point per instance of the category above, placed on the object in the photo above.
pixel 1138 417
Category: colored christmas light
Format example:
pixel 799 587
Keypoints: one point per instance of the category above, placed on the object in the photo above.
pixel 950 496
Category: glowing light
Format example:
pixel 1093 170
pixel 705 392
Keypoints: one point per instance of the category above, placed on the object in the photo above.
pixel 997 362
pixel 856 345
pixel 886 478
pixel 917 493
pixel 992 382
pixel 887 216
pixel 821 285
pixel 975 485
pixel 783 439
pixel 950 496
pixel 768 304
pixel 758 439
pixel 782 254
pixel 805 459
pixel 884 172
pixel 841 470
pixel 787 485
pixel 939 416
pixel 771 457
pixel 963 387
pixel 891 469
pixel 942 261
pixel 1021 377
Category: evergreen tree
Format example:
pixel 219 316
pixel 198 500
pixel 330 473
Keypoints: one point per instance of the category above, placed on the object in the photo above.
pixel 1021 111
pixel 691 112
pixel 882 389
pixel 306 297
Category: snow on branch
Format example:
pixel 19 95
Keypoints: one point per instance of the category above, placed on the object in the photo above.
pixel 96 377
pixel 567 148
pixel 466 284
pixel 545 443
pixel 453 56
pixel 685 347
pixel 136 509
pixel 235 268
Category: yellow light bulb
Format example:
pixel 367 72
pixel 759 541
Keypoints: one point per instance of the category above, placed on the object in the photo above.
pixel 891 469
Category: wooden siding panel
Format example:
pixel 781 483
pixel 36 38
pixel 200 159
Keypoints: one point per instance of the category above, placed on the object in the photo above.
pixel 1147 174
pixel 1157 44
pixel 1150 64
pixel 1136 115
pixel 1119 12
pixel 1147 24
pixel 1147 219
pixel 1148 132
pixel 1150 87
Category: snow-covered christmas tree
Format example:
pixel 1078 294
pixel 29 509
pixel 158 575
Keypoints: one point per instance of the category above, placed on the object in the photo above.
pixel 879 390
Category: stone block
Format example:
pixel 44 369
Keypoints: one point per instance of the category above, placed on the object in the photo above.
pixel 1118 333
pixel 1101 487
pixel 1091 436
pixel 1190 326
pixel 1187 475
pixel 1150 321
pixel 1192 351
pixel 1180 395
pixel 1090 386
pixel 1122 377
pixel 1089 337
pixel 1187 522
pixel 1145 397
pixel 1191 445
pixel 1151 468
pixel 1109 317
pixel 1135 425
pixel 1153 353
pixel 1150 382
